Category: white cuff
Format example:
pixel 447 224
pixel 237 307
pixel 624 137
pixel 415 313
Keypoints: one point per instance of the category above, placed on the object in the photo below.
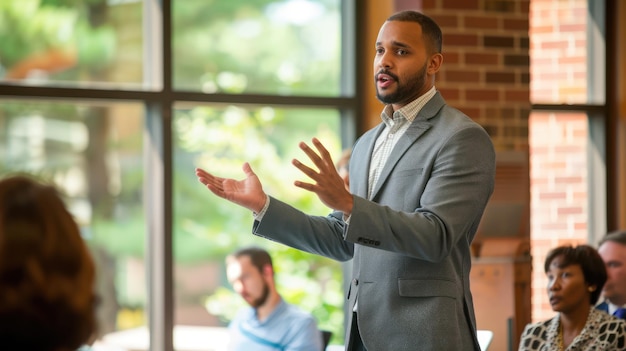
pixel 259 216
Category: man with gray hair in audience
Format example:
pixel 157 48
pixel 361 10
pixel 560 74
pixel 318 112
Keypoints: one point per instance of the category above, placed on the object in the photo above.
pixel 612 248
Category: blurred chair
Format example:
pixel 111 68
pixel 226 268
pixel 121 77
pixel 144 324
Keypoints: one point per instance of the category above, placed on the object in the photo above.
pixel 326 338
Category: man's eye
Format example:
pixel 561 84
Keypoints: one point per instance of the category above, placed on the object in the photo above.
pixel 402 52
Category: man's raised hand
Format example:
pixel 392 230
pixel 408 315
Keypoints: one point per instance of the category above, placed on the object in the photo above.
pixel 247 192
pixel 328 184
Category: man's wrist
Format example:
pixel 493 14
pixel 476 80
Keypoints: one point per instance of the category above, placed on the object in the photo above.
pixel 259 215
pixel 347 211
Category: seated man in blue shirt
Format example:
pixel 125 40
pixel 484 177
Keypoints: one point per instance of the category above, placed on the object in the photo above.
pixel 270 323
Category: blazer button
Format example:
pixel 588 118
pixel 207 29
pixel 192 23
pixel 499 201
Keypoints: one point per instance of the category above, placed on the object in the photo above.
pixel 355 281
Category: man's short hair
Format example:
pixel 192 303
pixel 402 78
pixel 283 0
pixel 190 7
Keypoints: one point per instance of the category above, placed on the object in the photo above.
pixel 430 29
pixel 258 257
pixel 618 236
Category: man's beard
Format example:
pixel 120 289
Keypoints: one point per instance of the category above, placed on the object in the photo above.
pixel 404 92
pixel 256 303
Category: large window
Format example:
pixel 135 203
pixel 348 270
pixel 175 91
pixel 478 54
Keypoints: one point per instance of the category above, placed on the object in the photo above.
pixel 117 101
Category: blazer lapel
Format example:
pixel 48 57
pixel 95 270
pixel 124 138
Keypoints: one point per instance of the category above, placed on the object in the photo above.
pixel 419 125
pixel 361 165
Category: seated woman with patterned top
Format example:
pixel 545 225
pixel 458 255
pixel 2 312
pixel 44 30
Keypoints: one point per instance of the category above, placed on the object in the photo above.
pixel 576 276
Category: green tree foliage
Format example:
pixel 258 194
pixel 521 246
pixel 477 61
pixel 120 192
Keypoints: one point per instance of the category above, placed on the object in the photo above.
pixel 25 28
pixel 66 39
pixel 257 46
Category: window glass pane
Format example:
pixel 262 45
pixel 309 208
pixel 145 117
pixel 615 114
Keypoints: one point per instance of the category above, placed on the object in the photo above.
pixel 268 47
pixel 70 42
pixel 567 52
pixel 558 54
pixel 206 228
pixel 93 153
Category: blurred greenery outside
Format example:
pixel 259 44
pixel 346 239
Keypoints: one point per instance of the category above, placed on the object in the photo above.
pixel 94 151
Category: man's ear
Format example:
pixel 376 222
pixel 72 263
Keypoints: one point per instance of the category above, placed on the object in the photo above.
pixel 268 270
pixel 434 63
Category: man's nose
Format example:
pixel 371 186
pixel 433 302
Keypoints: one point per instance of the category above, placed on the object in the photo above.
pixel 384 60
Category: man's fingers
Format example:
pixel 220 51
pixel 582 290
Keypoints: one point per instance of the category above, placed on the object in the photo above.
pixel 322 150
pixel 216 183
pixel 305 169
pixel 305 186
pixel 203 176
pixel 311 154
pixel 210 181
pixel 201 172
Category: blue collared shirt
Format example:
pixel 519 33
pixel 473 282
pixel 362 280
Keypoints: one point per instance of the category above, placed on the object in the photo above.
pixel 287 328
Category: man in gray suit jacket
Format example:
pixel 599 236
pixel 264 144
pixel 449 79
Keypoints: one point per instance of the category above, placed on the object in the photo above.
pixel 419 183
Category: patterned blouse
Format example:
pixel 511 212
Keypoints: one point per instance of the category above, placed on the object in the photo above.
pixel 602 332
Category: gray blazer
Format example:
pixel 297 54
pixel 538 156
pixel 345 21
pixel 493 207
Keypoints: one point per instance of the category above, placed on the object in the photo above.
pixel 411 240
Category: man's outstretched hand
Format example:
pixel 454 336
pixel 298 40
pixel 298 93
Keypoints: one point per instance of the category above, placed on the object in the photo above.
pixel 328 184
pixel 247 192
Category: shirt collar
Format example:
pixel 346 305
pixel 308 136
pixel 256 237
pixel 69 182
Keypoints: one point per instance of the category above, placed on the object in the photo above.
pixel 253 319
pixel 408 112
pixel 611 308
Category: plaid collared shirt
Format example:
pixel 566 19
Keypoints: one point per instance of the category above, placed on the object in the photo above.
pixel 396 125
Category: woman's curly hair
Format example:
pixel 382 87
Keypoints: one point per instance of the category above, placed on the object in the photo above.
pixel 47 298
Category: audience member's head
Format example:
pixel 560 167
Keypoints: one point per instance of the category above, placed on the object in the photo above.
pixel 46 272
pixel 269 320
pixel 251 273
pixel 612 248
pixel 575 275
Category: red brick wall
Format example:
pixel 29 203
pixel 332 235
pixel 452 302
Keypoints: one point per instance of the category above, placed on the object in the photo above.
pixel 557 141
pixel 486 70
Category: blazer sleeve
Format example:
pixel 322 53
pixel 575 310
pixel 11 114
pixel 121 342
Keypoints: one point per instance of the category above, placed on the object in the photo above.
pixel 315 234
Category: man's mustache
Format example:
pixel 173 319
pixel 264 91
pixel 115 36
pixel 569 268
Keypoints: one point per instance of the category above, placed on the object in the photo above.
pixel 383 71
